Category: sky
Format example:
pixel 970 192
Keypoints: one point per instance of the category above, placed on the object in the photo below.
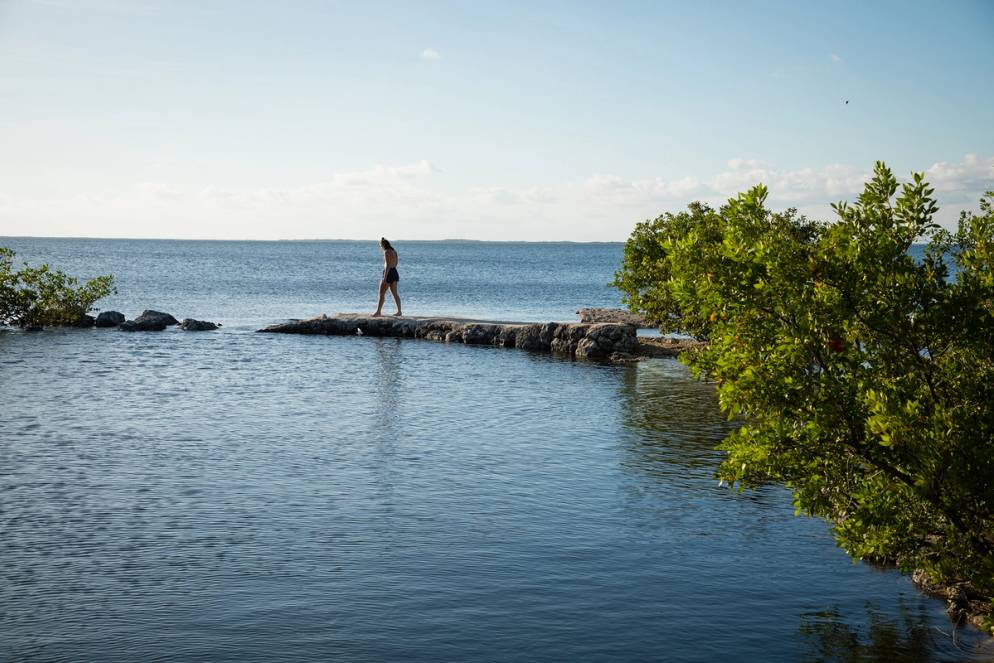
pixel 475 120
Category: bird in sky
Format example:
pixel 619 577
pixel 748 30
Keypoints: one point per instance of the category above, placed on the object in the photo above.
pixel 847 102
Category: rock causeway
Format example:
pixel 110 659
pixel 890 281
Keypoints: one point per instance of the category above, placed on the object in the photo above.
pixel 576 340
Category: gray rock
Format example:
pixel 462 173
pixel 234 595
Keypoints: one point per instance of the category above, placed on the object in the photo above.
pixel 149 315
pixel 613 338
pixel 434 330
pixel 506 336
pixel 189 324
pixel 560 346
pixel 109 319
pixel 529 337
pixel 588 348
pixel 479 334
pixel 84 321
pixel 149 321
pixel 615 315
pixel 142 325
pixel 547 333
pixel 404 327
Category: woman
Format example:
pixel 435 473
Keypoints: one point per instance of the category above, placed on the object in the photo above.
pixel 390 276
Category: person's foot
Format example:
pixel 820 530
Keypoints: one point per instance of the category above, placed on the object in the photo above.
pixel 377 314
pixel 399 314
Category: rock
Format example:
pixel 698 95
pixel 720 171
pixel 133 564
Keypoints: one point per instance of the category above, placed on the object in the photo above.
pixel 529 337
pixel 561 346
pixel 614 315
pixel 189 324
pixel 84 321
pixel 506 336
pixel 149 321
pixel 322 324
pixel 156 316
pixel 109 319
pixel 479 333
pixel 33 328
pixel 957 603
pixel 142 325
pixel 609 338
pixel 404 327
pixel 566 338
pixel 548 332
pixel 434 330
pixel 588 348
pixel 921 578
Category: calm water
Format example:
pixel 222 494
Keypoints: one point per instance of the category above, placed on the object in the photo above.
pixel 234 496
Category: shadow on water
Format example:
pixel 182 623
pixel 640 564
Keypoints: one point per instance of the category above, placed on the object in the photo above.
pixel 909 638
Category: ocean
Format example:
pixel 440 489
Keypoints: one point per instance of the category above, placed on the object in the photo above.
pixel 233 496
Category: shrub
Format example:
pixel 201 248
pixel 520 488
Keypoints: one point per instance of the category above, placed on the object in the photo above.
pixel 863 378
pixel 39 296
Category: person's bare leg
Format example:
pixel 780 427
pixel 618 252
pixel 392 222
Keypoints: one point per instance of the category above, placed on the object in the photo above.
pixel 396 297
pixel 383 295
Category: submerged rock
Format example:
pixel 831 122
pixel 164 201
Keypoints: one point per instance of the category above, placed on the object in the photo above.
pixel 109 319
pixel 189 324
pixel 142 325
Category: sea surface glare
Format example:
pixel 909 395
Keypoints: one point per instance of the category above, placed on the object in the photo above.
pixel 234 496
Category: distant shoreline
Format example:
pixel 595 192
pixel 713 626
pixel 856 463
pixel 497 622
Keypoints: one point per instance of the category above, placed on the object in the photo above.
pixel 315 241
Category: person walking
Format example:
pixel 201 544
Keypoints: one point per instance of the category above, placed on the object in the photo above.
pixel 390 277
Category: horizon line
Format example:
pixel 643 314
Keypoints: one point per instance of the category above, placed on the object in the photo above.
pixel 315 239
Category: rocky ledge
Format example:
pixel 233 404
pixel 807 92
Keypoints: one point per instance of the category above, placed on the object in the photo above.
pixel 616 315
pixel 596 341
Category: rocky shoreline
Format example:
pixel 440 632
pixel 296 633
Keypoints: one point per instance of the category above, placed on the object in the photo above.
pixel 149 320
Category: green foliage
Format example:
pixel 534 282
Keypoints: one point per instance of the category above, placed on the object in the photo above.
pixel 863 378
pixel 644 277
pixel 39 296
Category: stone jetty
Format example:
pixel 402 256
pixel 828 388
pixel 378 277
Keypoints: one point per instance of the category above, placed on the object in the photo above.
pixel 578 340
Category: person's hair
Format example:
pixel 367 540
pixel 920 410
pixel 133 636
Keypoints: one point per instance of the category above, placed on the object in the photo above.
pixel 385 245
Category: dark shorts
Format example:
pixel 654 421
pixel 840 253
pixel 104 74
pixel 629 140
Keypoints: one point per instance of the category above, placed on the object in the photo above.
pixel 392 275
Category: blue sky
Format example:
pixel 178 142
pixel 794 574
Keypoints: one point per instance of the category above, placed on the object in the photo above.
pixel 512 120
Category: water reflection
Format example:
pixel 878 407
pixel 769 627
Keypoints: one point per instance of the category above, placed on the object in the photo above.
pixel 388 385
pixel 675 418
pixel 911 638
pixel 387 406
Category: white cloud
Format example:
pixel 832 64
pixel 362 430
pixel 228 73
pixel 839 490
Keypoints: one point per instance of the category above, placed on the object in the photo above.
pixel 958 182
pixel 431 55
pixel 418 200
pixel 836 58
